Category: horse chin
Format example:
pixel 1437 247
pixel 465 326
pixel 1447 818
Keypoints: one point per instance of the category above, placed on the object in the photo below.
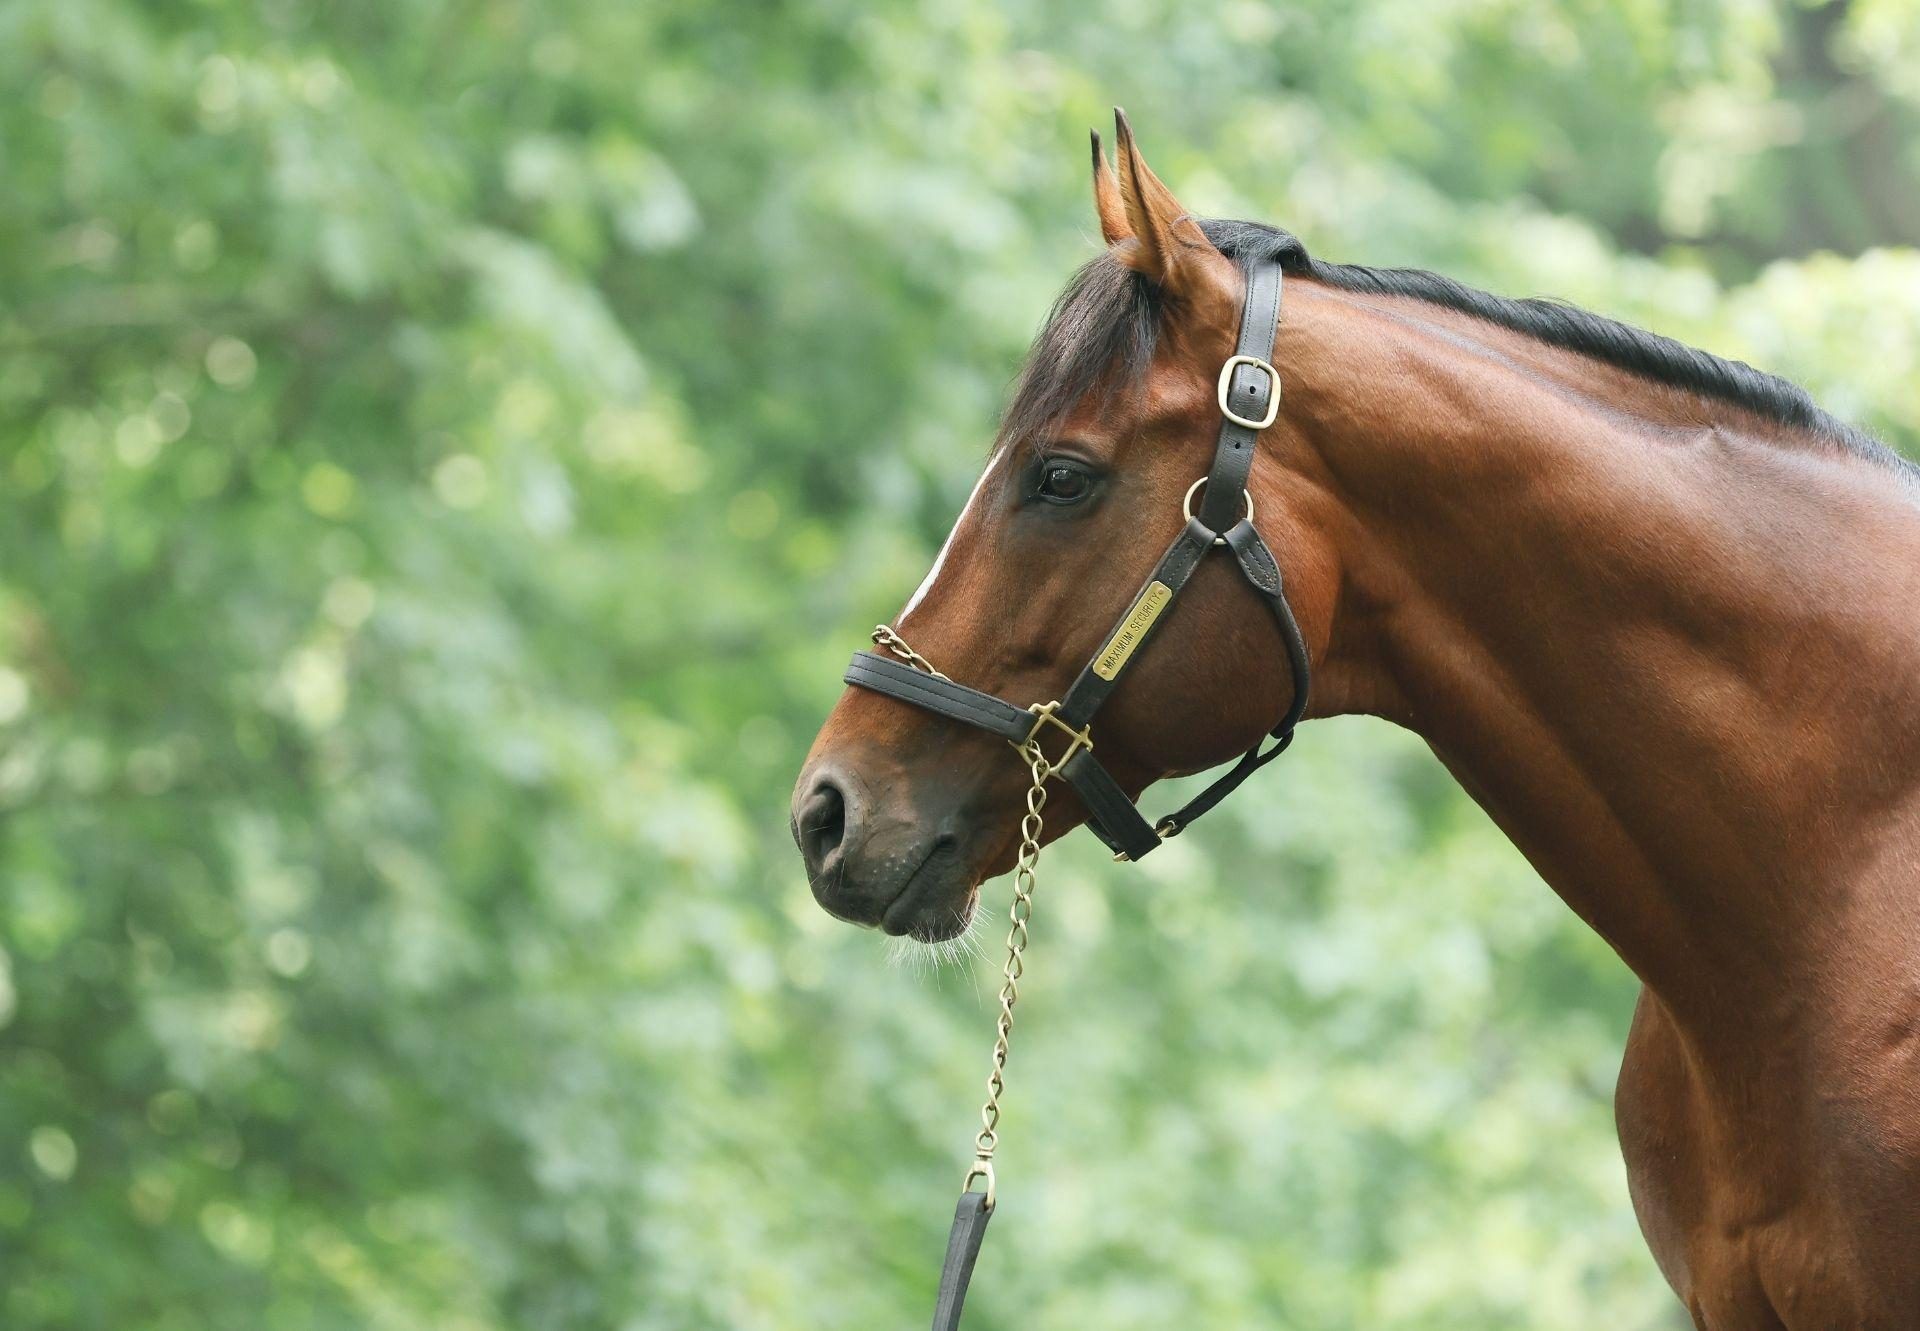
pixel 956 925
pixel 937 904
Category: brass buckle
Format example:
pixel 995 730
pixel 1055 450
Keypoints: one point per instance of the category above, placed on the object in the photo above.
pixel 1226 382
pixel 1048 713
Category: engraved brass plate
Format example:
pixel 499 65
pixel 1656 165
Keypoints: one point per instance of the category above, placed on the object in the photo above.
pixel 1132 629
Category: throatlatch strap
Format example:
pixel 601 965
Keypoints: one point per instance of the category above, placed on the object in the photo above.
pixel 963 1247
pixel 1250 762
pixel 1263 571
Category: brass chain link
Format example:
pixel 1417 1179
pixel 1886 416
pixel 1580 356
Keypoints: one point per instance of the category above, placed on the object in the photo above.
pixel 987 1140
pixel 893 642
pixel 1018 914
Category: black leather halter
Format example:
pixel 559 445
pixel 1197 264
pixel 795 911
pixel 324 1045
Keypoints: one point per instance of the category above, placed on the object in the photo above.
pixel 1249 396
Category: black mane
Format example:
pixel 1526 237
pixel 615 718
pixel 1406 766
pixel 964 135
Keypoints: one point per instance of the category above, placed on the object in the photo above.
pixel 1102 331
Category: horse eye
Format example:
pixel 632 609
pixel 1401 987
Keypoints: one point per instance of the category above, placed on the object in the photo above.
pixel 1064 484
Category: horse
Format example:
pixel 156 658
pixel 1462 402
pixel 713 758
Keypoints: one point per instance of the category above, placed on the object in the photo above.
pixel 1656 611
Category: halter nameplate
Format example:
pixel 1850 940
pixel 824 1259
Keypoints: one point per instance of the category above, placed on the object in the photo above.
pixel 1154 598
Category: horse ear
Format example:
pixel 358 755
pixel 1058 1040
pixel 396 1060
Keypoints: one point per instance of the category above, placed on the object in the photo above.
pixel 1106 198
pixel 1169 246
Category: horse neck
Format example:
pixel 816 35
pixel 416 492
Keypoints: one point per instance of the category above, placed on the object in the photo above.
pixel 1668 653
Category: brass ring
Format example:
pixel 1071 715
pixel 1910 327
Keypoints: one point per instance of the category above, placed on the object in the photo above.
pixel 1186 506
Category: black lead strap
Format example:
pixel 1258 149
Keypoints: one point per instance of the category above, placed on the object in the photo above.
pixel 970 1218
pixel 1249 395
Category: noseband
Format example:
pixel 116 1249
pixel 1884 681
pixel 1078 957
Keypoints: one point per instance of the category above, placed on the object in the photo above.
pixel 1249 397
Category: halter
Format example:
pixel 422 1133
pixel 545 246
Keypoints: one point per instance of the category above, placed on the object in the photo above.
pixel 1249 396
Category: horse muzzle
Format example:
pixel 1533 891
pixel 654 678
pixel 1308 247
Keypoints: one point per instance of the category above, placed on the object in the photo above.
pixel 895 869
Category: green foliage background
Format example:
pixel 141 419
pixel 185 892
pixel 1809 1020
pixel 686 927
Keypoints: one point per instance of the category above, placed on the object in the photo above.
pixel 446 453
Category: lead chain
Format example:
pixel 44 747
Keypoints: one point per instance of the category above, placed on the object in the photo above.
pixel 893 642
pixel 987 1140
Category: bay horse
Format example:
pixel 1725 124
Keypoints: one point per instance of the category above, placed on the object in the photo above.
pixel 1656 612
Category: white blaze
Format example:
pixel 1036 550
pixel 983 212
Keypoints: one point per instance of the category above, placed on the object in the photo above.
pixel 933 574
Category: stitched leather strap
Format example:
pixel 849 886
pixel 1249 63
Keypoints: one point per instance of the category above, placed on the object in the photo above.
pixel 1263 571
pixel 963 1247
pixel 1249 393
pixel 899 680
pixel 1175 567
pixel 1113 817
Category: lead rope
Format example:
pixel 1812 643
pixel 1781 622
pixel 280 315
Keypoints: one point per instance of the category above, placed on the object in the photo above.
pixel 970 1217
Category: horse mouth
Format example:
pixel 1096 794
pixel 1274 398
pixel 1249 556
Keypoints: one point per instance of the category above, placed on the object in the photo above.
pixel 924 910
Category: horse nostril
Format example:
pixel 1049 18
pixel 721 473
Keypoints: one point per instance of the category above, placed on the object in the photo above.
pixel 823 825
